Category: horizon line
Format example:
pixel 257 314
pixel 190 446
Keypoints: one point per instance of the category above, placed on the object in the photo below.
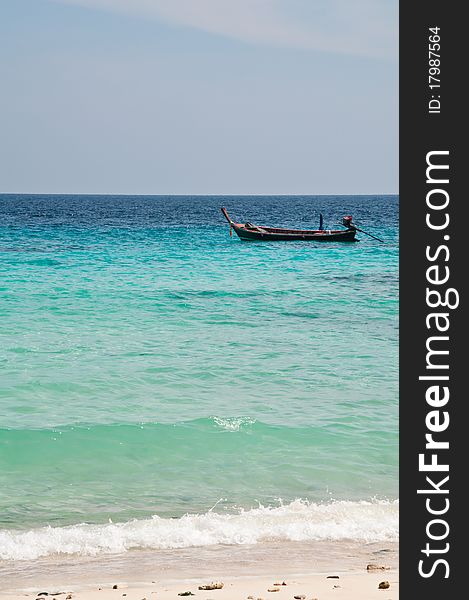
pixel 224 195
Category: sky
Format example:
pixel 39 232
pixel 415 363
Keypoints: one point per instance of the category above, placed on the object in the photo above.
pixel 199 96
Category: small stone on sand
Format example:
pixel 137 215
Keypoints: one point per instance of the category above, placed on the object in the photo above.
pixel 299 597
pixel 384 585
pixel 69 597
pixel 275 589
pixel 332 577
pixel 114 587
pixel 186 594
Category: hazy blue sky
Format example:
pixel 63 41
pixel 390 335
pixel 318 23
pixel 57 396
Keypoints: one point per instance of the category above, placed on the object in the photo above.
pixel 199 96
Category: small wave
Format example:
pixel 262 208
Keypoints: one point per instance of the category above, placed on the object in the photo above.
pixel 233 423
pixel 298 521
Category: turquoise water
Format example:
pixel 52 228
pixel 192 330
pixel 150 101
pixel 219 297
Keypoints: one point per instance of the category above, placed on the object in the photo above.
pixel 152 365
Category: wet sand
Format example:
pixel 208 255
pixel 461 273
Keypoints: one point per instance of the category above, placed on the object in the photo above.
pixel 244 570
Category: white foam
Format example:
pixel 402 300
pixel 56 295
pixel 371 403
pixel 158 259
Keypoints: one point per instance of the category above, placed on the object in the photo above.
pixel 233 423
pixel 298 521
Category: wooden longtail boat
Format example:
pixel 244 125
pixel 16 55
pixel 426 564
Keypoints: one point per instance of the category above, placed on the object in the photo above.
pixel 248 231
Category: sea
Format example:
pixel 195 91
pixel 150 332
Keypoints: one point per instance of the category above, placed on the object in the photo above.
pixel 169 390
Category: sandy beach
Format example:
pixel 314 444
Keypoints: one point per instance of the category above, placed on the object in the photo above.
pixel 314 570
pixel 355 585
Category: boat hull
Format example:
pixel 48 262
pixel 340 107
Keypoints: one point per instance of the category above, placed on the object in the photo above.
pixel 252 232
pixel 302 236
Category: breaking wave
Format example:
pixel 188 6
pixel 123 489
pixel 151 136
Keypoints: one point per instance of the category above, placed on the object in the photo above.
pixel 366 521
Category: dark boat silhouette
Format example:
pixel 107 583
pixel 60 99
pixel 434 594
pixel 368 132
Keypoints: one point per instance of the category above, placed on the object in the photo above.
pixel 248 231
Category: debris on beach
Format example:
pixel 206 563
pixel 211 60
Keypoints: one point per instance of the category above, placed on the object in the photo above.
pixel 114 587
pixel 301 597
pixel 332 577
pixel 373 567
pixel 212 586
pixel 283 583
pixel 274 589
pixel 186 594
pixel 69 597
pixel 336 586
pixel 384 585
